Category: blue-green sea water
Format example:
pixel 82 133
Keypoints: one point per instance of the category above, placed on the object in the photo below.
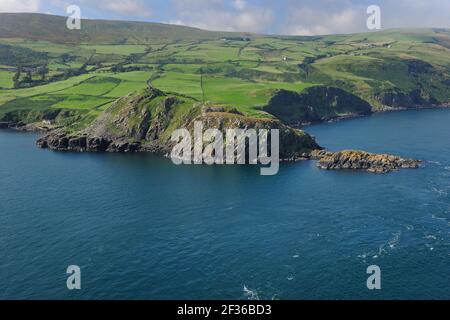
pixel 142 228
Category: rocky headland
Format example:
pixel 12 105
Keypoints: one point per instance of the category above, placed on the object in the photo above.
pixel 144 122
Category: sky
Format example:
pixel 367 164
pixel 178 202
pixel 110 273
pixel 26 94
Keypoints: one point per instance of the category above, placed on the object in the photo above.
pixel 289 17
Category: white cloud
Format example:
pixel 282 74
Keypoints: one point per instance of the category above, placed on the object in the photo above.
pixel 216 15
pixel 317 17
pixel 176 22
pixel 416 13
pixel 306 21
pixel 128 7
pixel 19 5
pixel 239 4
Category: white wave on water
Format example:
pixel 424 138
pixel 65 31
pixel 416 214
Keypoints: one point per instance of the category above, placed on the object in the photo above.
pixel 394 240
pixel 251 294
pixel 384 248
pixel 381 250
pixel 435 162
pixel 440 191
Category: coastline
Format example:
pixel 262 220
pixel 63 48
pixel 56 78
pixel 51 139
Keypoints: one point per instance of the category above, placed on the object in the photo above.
pixel 354 160
pixel 387 110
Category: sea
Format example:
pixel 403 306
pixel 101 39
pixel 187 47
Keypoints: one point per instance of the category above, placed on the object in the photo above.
pixel 140 227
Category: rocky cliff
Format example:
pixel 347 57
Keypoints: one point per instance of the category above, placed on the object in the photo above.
pixel 397 99
pixel 316 104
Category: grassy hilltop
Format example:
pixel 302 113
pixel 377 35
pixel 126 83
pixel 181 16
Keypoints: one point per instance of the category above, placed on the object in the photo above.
pixel 70 78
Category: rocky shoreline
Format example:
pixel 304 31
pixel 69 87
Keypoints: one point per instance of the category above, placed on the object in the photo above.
pixel 25 127
pixel 302 125
pixel 68 143
pixel 342 160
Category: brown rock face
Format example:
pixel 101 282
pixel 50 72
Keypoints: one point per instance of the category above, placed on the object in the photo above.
pixel 363 161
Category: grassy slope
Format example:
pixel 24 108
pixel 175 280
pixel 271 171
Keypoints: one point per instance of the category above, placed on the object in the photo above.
pixel 199 66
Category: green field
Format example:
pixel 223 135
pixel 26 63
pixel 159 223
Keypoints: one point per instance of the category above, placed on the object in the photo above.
pixel 6 79
pixel 244 71
pixel 244 94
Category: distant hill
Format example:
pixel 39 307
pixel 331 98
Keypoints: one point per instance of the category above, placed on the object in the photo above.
pixel 52 28
pixel 45 27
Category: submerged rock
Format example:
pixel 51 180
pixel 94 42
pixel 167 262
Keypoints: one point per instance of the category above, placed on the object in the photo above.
pixel 362 161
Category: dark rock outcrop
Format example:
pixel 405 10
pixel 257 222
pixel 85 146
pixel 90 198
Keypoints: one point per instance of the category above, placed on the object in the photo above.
pixel 362 161
pixel 62 142
pixel 416 66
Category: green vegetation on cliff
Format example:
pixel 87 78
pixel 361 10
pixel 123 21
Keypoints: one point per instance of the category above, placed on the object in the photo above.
pixel 315 104
pixel 145 121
